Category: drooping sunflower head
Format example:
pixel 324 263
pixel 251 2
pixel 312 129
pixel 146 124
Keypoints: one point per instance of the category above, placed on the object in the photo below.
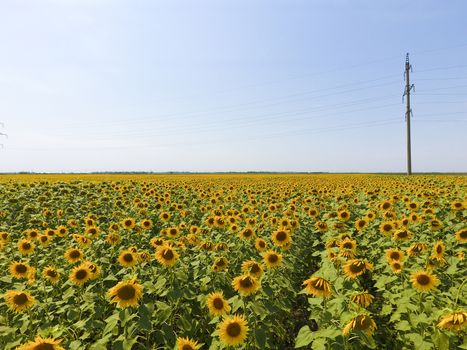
pixel 217 304
pixel 186 344
pixel 253 268
pixel 355 267
pixel 402 235
pixel 272 259
pixel 423 281
pixel 51 274
pixel 125 294
pixel 220 264
pixel 19 301
pixel 317 286
pixel 416 249
pixel 166 255
pixel 363 299
pixel 455 321
pixel 246 284
pixel 233 330
pixel 40 343
pixel 362 323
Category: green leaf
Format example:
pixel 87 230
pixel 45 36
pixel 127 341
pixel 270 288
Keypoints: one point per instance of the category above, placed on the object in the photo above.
pixel 319 344
pixel 403 326
pixel 304 337
pixel 260 336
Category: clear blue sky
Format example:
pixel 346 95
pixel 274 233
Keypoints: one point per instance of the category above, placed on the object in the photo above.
pixel 209 85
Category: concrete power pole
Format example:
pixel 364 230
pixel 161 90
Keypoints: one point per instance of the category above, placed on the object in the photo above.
pixel 408 112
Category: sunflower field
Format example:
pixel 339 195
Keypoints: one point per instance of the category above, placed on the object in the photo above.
pixel 232 261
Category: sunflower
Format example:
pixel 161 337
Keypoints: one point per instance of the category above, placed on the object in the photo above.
pixel 80 274
pixel 362 323
pixel 128 223
pixel 361 224
pixel 220 264
pixel 435 224
pixel 127 258
pixel 166 255
pixel 261 245
pixel 347 248
pixel 146 224
pixel 62 231
pixel 112 238
pixel 317 286
pixel 396 266
pixel 355 267
pixel 51 274
pixel 402 235
pixel 19 269
pixel 173 232
pixel 73 255
pixel 186 344
pixel 164 216
pixel 92 231
pixel 25 246
pixel 455 321
pixel 457 205
pixel 253 268
pixel 438 252
pixel 233 330
pixel 386 228
pixel 423 281
pixel 343 215
pixel 363 299
pixel 40 343
pixel 281 238
pixel 217 305
pixel 247 233
pixel 125 294
pixel 416 249
pixel 461 235
pixel 272 259
pixel 370 216
pixel 18 301
pixel 386 205
pixel 246 284
pixel 95 269
pixel 321 226
pixel 394 255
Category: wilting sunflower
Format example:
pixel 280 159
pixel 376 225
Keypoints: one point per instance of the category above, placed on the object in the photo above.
pixel 220 264
pixel 355 267
pixel 166 255
pixel 394 255
pixel 362 323
pixel 233 330
pixel 80 274
pixel 127 258
pixel 125 294
pixel 19 269
pixel 253 268
pixel 261 245
pixel 245 284
pixel 112 238
pixel 363 299
pixel 423 281
pixel 40 343
pixel 51 274
pixel 186 344
pixel 281 237
pixel 402 235
pixel 73 255
pixel 217 305
pixel 461 235
pixel 317 286
pixel 455 321
pixel 18 301
pixel 25 246
pixel 416 249
pixel 272 259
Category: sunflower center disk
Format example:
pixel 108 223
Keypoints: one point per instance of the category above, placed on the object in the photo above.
pixel 423 280
pixel 234 329
pixel 81 274
pixel 218 304
pixel 126 292
pixel 20 299
pixel 168 254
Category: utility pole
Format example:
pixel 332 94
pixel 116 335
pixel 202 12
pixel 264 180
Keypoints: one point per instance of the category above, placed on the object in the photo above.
pixel 408 112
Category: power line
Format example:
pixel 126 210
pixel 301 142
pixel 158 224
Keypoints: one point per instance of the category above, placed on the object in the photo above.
pixel 408 111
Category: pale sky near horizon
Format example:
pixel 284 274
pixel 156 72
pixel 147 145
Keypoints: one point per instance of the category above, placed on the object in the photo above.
pixel 244 85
